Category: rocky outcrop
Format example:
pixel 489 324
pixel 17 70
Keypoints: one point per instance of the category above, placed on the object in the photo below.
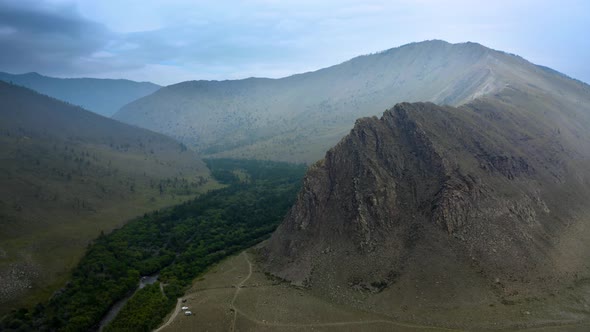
pixel 458 182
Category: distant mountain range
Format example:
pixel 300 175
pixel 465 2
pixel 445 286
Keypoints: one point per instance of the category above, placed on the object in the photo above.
pixel 298 118
pixel 66 174
pixel 101 96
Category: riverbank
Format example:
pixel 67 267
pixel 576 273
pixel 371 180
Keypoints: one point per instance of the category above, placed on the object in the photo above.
pixel 116 308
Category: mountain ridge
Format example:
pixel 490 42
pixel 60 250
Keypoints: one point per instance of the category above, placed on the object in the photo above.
pixel 297 118
pixel 101 96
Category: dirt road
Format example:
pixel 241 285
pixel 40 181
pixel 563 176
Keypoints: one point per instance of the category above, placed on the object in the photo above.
pixel 238 288
pixel 174 314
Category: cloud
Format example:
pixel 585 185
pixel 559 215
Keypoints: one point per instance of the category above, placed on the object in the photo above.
pixel 172 40
pixel 54 38
pixel 46 38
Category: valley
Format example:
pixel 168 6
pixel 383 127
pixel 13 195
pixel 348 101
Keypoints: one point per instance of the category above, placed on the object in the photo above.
pixel 177 243
pixel 428 187
pixel 67 176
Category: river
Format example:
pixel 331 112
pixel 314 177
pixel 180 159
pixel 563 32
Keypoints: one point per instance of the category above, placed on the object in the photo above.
pixel 143 281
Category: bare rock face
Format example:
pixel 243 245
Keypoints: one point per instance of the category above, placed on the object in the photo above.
pixel 490 189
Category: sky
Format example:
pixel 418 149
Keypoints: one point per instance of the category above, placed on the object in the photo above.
pixel 169 41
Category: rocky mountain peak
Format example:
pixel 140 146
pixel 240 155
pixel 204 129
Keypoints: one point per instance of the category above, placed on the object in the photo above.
pixel 428 178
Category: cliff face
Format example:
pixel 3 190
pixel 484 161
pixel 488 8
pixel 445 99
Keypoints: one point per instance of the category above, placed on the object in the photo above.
pixel 494 188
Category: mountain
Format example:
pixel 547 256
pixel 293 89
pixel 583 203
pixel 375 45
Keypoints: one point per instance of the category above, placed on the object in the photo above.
pixel 432 212
pixel 101 96
pixel 298 118
pixel 66 176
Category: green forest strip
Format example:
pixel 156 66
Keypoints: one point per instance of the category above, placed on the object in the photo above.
pixel 179 243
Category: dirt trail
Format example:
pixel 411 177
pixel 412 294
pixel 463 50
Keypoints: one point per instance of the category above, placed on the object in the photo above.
pixel 176 311
pixel 347 323
pixel 162 289
pixel 238 288
pixel 399 324
pixel 559 327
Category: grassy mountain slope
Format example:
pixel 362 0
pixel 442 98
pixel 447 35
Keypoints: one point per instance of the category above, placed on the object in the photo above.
pixel 66 175
pixel 102 96
pixel 298 118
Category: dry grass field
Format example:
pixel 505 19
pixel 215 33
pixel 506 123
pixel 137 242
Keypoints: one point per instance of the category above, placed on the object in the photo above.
pixel 236 295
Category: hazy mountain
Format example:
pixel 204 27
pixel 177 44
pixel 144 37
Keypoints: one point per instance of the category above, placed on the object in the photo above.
pixel 102 96
pixel 66 175
pixel 298 118
pixel 431 210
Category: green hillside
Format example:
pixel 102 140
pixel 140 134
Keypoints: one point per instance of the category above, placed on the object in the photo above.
pixel 66 175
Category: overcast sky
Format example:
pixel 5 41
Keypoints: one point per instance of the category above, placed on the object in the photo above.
pixel 168 41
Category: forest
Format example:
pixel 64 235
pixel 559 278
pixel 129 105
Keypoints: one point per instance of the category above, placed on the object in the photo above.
pixel 179 243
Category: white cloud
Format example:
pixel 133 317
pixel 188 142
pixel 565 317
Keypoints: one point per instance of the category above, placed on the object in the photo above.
pixel 6 30
pixel 102 54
